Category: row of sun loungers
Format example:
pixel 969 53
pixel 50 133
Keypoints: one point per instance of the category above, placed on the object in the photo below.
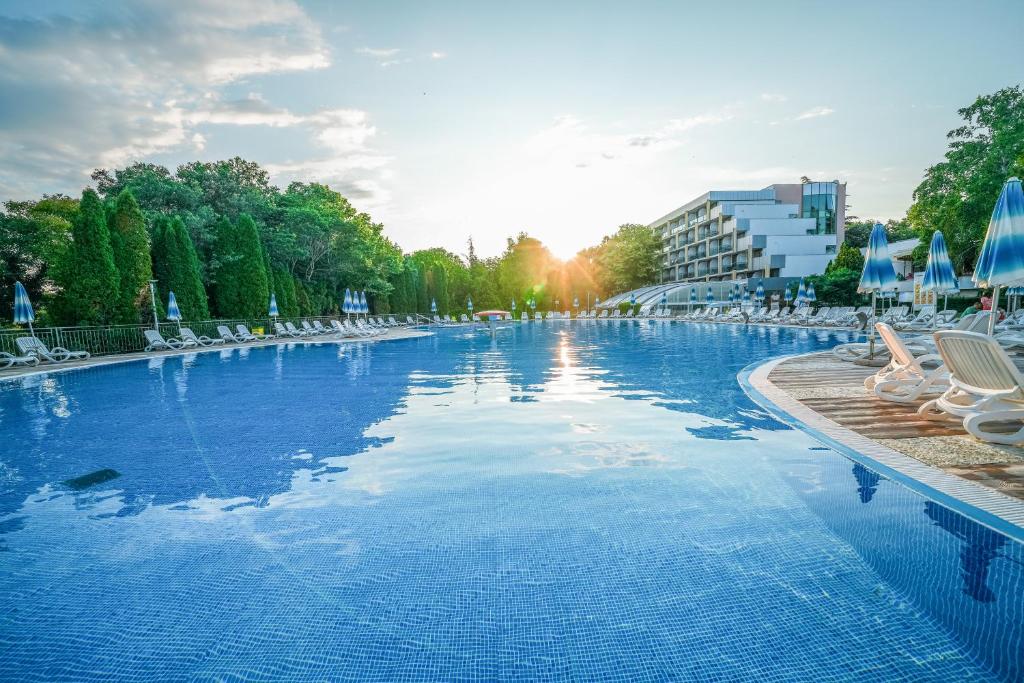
pixel 369 327
pixel 32 351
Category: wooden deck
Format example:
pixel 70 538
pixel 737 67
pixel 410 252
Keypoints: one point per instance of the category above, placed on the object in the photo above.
pixel 835 390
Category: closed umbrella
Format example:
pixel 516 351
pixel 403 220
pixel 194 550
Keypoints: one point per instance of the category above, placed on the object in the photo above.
pixel 811 296
pixel 172 310
pixel 788 295
pixel 759 292
pixel 363 305
pixel 878 274
pixel 273 308
pixel 1001 261
pixel 938 273
pixel 801 293
pixel 23 312
pixel 709 297
pixel 469 305
pixel 664 302
pixel 433 306
pixel 693 299
pixel 346 304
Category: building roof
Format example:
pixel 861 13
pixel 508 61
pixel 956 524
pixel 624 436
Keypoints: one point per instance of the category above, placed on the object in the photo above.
pixel 899 249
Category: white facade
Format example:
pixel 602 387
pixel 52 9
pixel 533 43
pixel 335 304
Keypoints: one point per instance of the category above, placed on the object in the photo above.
pixel 779 231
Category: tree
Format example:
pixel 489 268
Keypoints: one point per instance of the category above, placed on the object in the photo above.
pixel 130 245
pixel 856 233
pixel 35 238
pixel 90 283
pixel 848 257
pixel 284 288
pixel 242 289
pixel 630 258
pixel 176 269
pixel 957 195
pixel 837 287
pixel 439 286
pixel 422 291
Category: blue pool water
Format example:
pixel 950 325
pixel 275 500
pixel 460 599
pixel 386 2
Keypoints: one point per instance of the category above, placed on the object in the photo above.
pixel 584 501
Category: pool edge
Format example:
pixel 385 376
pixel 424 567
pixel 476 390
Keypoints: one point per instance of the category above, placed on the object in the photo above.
pixel 137 356
pixel 986 506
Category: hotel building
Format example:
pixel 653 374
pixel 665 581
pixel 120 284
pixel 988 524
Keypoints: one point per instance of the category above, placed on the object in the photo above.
pixel 781 231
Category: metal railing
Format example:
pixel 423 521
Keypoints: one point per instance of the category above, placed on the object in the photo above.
pixel 101 340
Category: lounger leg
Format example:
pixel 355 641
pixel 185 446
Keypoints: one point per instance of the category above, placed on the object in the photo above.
pixel 974 425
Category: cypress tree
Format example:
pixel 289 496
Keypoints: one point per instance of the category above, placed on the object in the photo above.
pixel 176 268
pixel 130 245
pixel 422 291
pixel 285 289
pixel 411 300
pixel 242 289
pixel 305 306
pixel 440 277
pixel 90 281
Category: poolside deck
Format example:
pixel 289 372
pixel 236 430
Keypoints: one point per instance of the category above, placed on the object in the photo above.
pixel 834 389
pixel 395 333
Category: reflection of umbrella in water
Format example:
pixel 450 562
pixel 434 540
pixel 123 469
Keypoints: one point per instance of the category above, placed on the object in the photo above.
pixel 867 482
pixel 981 546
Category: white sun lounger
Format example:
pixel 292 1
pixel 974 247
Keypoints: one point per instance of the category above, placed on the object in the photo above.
pixel 226 335
pixel 284 331
pixel 907 377
pixel 319 327
pixel 313 331
pixel 985 386
pixel 158 343
pixel 33 346
pixel 9 359
pixel 243 333
pixel 201 340
pixel 363 327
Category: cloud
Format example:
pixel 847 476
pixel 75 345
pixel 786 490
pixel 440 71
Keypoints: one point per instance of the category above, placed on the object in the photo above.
pixel 680 125
pixel 377 52
pixel 437 55
pixel 814 112
pixel 773 97
pixel 569 141
pixel 116 86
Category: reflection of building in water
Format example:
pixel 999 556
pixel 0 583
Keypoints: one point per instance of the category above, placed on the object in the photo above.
pixel 867 482
pixel 981 546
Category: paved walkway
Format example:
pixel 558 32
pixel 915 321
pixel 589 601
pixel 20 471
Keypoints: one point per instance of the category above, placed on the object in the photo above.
pixel 392 334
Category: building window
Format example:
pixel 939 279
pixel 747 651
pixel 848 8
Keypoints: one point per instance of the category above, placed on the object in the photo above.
pixel 819 203
pixel 830 248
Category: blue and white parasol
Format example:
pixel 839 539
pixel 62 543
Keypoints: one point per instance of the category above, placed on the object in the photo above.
pixel 1001 261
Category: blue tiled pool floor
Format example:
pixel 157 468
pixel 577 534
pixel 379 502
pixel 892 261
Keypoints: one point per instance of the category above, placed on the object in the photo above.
pixel 563 502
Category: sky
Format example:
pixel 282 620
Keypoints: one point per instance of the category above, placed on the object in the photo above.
pixel 451 120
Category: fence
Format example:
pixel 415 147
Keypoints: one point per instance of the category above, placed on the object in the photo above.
pixel 112 339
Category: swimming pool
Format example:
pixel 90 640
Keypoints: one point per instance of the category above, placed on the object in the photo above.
pixel 589 501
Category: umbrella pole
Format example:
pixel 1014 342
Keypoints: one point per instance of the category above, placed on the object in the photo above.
pixel 30 330
pixel 994 312
pixel 871 332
